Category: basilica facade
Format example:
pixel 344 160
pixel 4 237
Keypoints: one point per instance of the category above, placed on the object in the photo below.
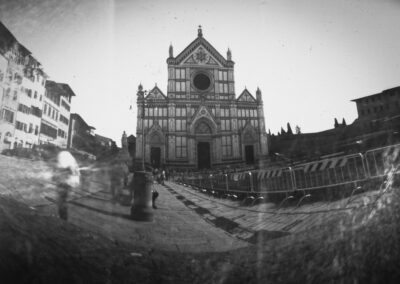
pixel 200 122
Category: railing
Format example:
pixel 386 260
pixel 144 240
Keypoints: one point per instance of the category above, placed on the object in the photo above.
pixel 348 171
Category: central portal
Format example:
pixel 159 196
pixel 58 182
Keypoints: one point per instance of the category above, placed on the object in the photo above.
pixel 155 156
pixel 203 155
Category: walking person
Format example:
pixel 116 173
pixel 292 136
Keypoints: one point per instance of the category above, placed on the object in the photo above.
pixel 118 172
pixel 66 175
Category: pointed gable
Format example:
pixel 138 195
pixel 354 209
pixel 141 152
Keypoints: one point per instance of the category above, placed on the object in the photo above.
pixel 156 94
pixel 200 51
pixel 245 96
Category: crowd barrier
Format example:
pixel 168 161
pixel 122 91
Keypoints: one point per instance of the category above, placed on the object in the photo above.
pixel 328 177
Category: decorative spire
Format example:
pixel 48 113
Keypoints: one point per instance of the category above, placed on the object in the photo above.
pixel 229 55
pixel 199 32
pixel 124 141
pixel 171 51
pixel 258 94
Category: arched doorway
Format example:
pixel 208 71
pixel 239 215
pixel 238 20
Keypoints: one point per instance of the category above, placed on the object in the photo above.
pixel 155 157
pixel 203 154
pixel 249 142
pixel 249 154
pixel 203 136
pixel 156 149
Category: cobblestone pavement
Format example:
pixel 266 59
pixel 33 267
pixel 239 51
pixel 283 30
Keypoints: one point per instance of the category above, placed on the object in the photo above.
pixel 175 226
pixel 186 221
pixel 245 221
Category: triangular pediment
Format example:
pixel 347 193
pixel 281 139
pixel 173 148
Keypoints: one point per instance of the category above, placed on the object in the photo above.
pixel 245 96
pixel 200 56
pixel 201 52
pixel 249 134
pixel 156 94
pixel 203 111
pixel 203 114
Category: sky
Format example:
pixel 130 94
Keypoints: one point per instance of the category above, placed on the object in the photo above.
pixel 310 58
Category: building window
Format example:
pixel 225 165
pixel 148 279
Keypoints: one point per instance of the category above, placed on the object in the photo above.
pixel 225 125
pixel 226 146
pixel 180 86
pixel 61 133
pixel 21 126
pixel 8 115
pixel 223 75
pixel 180 125
pixel 223 88
pixel 36 111
pixel 180 73
pixel 24 109
pixel 224 112
pixel 65 105
pixel 64 120
pixel 181 147
pixel 48 130
pixel 180 111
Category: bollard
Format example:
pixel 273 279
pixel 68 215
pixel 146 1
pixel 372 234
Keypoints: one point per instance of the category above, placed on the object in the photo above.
pixel 141 209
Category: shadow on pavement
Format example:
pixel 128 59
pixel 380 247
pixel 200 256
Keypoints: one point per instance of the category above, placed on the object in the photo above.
pixel 114 214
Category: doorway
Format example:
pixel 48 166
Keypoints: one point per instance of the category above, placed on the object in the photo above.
pixel 203 155
pixel 249 154
pixel 155 157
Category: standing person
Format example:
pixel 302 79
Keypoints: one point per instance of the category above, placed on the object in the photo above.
pixel 162 177
pixel 67 177
pixel 154 196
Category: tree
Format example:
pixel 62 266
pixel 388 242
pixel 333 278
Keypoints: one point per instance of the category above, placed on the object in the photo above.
pixel 289 129
pixel 344 122
pixel 336 123
pixel 283 132
pixel 298 130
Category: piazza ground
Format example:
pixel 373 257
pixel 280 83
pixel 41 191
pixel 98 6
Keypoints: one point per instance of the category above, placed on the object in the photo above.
pixel 193 238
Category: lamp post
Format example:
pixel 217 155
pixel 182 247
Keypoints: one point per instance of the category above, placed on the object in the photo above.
pixel 143 117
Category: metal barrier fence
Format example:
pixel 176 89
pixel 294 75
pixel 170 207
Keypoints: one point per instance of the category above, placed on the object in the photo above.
pixel 343 171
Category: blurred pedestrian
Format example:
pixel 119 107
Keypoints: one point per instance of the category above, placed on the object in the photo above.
pixel 66 175
pixel 154 196
pixel 118 172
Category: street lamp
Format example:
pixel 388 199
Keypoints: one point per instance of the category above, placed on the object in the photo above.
pixel 143 117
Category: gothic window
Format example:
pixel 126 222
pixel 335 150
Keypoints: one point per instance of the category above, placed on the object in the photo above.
pixel 181 147
pixel 180 73
pixel 180 111
pixel 180 86
pixel 223 88
pixel 226 146
pixel 224 112
pixel 180 125
pixel 223 75
pixel 225 125
pixel 203 128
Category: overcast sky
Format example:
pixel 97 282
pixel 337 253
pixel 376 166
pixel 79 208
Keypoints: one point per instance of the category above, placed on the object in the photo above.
pixel 309 57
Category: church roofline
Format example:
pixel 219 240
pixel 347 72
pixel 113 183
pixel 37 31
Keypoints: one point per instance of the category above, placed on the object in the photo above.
pixel 200 40
pixel 152 90
pixel 244 92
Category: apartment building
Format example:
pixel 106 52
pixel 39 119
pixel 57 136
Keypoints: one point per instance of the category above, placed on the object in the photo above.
pixel 22 82
pixel 56 114
pixel 33 110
